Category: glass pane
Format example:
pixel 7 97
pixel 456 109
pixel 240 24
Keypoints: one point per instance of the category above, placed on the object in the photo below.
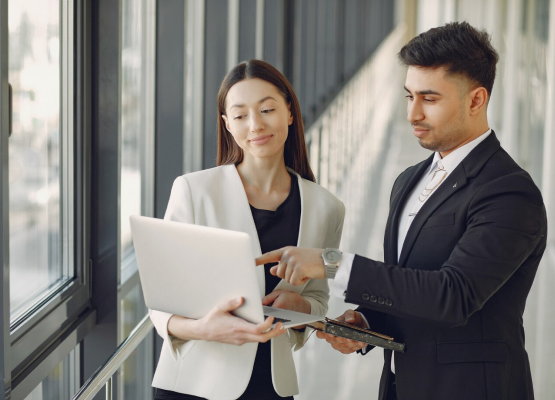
pixel 62 381
pixel 133 124
pixel 532 90
pixel 136 373
pixel 34 151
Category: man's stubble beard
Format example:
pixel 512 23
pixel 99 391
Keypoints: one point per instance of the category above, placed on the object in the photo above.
pixel 451 138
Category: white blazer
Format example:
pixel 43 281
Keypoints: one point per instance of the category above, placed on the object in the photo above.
pixel 217 371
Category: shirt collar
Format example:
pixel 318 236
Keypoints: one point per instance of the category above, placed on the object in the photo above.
pixel 453 159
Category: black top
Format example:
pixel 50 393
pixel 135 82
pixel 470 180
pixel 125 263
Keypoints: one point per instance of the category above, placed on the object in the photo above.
pixel 276 229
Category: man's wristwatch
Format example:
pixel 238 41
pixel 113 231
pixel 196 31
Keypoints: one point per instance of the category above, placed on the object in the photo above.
pixel 332 258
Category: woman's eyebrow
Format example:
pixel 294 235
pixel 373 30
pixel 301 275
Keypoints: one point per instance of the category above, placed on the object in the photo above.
pixel 259 102
pixel 266 98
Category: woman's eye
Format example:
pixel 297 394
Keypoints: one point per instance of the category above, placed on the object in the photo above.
pixel 239 117
pixel 269 110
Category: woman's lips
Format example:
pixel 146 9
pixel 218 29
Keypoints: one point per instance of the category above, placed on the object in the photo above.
pixel 260 140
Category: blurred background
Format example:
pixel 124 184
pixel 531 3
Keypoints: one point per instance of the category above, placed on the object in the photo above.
pixel 104 103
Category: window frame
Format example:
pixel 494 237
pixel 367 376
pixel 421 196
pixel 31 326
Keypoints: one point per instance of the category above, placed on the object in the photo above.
pixel 42 336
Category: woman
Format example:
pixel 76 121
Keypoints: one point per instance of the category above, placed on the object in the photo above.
pixel 263 186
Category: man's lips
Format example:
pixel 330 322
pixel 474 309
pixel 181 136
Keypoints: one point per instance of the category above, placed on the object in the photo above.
pixel 260 140
pixel 419 131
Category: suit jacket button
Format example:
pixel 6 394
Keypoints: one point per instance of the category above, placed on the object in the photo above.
pixel 373 299
pixel 365 296
pixel 388 303
pixel 381 300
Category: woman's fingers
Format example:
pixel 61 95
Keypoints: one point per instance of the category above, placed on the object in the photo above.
pixel 230 305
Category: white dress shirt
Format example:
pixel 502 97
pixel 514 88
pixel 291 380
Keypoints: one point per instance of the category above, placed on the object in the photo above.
pixel 410 209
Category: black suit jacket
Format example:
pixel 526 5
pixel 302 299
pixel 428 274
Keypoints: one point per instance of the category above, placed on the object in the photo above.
pixel 457 294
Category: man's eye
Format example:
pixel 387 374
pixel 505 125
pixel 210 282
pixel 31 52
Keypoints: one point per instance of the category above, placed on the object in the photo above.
pixel 269 110
pixel 408 96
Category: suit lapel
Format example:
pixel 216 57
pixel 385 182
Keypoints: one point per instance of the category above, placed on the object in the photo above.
pixel 469 167
pixel 446 190
pixel 397 204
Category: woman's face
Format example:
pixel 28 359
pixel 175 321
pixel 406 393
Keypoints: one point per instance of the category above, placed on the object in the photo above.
pixel 258 118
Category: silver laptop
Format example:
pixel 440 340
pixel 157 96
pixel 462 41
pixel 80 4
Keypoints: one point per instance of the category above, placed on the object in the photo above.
pixel 187 269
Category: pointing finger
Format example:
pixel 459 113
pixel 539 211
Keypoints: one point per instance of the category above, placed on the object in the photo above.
pixel 270 257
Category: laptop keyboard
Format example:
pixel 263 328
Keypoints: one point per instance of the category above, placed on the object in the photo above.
pixel 283 320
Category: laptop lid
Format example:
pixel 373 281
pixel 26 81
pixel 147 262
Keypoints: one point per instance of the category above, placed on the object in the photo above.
pixel 186 269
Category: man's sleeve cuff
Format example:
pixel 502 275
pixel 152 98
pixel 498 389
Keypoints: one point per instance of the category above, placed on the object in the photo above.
pixel 341 281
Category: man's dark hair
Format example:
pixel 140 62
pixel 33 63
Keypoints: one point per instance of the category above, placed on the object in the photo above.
pixel 457 46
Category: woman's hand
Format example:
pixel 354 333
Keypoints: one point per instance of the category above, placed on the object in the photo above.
pixel 219 325
pixel 287 301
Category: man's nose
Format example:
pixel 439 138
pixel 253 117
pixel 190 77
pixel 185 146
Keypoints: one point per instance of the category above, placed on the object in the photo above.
pixel 414 111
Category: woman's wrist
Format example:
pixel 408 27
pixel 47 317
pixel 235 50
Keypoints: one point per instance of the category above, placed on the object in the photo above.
pixel 184 328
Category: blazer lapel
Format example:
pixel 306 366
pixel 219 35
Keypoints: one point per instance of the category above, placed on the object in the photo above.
pixel 304 231
pixel 468 168
pixel 243 216
pixel 398 202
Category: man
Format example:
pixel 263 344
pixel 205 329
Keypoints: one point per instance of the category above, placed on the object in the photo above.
pixel 465 234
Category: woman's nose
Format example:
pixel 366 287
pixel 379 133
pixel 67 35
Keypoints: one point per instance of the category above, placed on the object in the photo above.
pixel 256 123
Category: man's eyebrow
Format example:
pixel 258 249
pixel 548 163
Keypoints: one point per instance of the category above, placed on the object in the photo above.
pixel 259 102
pixel 424 92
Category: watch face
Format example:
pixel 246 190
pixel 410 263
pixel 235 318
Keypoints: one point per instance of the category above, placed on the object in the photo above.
pixel 332 256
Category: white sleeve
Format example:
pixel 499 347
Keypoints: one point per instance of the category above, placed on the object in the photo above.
pixel 341 280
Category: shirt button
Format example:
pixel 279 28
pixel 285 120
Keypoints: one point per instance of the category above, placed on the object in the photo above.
pixel 365 296
pixel 381 300
pixel 373 299
pixel 388 303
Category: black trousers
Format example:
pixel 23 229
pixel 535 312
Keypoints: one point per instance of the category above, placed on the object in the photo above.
pixel 260 388
pixel 162 394
pixel 391 393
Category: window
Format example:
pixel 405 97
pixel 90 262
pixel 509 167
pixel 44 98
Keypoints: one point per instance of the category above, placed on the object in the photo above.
pixel 137 122
pixel 136 181
pixel 41 248
pixel 62 382
pixel 48 300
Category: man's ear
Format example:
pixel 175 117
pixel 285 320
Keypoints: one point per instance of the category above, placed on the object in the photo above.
pixel 478 100
pixel 224 117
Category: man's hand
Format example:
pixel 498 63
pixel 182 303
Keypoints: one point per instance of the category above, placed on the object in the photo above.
pixel 296 265
pixel 346 346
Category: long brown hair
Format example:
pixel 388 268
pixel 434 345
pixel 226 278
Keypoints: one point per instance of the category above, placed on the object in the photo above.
pixel 295 153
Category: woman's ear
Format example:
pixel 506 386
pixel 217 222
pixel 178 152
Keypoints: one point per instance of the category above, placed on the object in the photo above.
pixel 224 117
pixel 290 121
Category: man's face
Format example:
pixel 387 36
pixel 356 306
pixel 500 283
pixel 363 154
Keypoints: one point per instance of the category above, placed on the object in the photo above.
pixel 436 108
